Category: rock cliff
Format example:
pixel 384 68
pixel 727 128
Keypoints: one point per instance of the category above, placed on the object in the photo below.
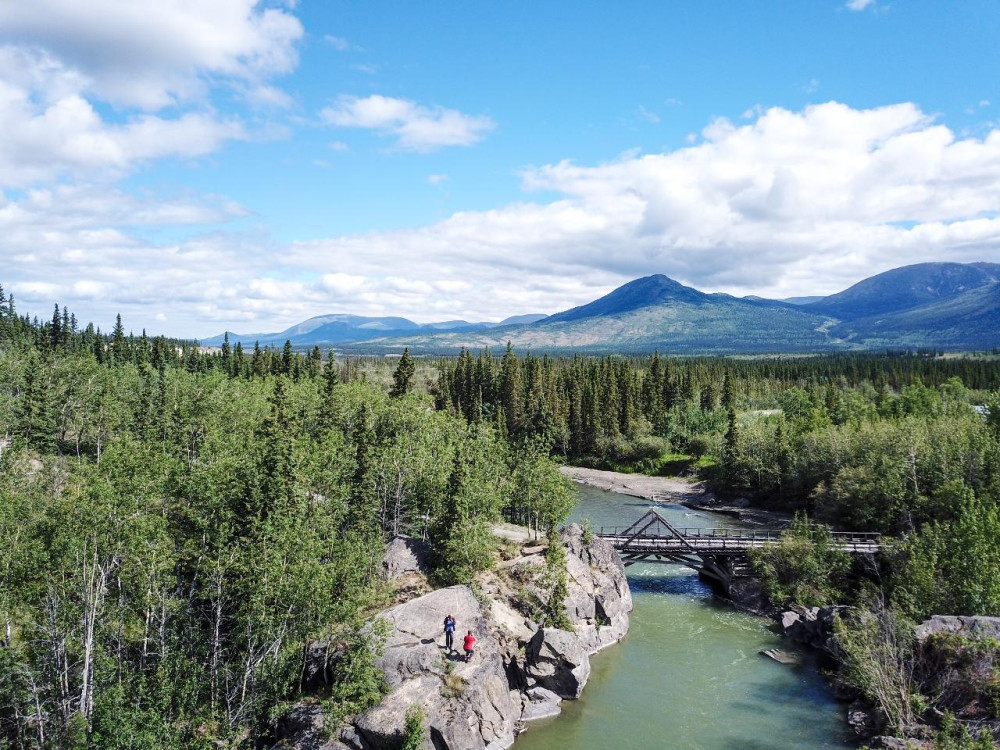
pixel 521 670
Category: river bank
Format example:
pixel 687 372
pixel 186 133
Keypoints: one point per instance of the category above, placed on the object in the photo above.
pixel 673 490
pixel 523 668
pixel 690 673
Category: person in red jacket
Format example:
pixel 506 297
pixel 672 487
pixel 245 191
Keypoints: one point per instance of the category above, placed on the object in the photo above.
pixel 470 642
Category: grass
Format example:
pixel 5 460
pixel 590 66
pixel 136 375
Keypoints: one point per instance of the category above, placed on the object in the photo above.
pixel 667 465
pixel 454 684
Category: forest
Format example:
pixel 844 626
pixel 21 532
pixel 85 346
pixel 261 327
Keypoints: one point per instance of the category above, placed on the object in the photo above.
pixel 181 523
pixel 178 527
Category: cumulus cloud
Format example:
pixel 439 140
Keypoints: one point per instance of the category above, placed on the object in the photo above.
pixel 790 203
pixel 414 126
pixel 786 203
pixel 151 55
pixel 62 61
pixel 859 5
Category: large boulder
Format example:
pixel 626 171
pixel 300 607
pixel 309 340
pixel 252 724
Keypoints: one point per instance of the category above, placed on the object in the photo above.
pixel 405 555
pixel 811 626
pixel 976 628
pixel 467 706
pixel 540 703
pixel 599 599
pixel 557 660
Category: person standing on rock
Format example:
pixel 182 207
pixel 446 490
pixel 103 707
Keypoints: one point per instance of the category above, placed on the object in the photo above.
pixel 470 642
pixel 449 633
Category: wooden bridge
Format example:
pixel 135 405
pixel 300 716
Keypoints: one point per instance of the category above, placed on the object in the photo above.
pixel 719 555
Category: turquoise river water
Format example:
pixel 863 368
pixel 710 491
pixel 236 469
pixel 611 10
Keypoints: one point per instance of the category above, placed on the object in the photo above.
pixel 689 675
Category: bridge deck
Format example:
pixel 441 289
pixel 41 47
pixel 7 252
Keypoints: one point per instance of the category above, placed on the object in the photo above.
pixel 722 541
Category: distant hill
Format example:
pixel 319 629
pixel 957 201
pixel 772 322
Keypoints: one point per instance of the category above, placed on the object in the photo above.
pixel 801 300
pixel 342 329
pixel 654 312
pixel 941 305
pixel 970 320
pixel 644 292
pixel 906 288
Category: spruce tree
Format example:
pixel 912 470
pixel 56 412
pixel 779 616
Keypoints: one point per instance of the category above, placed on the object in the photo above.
pixel 403 375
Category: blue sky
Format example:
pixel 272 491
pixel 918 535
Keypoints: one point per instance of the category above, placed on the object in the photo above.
pixel 240 165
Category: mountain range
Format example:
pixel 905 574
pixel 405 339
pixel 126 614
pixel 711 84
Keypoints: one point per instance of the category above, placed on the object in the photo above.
pixel 951 306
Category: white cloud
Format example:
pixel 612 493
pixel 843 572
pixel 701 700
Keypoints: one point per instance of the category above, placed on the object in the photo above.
pixel 339 43
pixel 151 55
pixel 61 61
pixel 415 127
pixel 648 116
pixel 42 141
pixel 791 202
pixel 859 5
pixel 436 179
pixel 339 146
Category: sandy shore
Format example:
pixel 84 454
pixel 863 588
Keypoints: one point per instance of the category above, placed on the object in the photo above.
pixel 672 490
pixel 657 489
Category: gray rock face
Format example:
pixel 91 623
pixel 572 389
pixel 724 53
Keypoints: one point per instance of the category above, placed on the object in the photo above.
pixel 405 555
pixel 520 672
pixel 556 660
pixel 540 704
pixel 599 599
pixel 468 706
pixel 976 628
pixel 812 626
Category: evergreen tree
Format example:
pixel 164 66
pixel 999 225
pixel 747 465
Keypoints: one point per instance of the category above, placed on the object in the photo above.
pixel 403 375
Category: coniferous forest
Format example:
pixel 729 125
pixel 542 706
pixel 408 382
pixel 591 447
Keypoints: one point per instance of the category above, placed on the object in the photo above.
pixel 180 524
pixel 178 527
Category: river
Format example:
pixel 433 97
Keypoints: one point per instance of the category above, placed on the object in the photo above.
pixel 689 675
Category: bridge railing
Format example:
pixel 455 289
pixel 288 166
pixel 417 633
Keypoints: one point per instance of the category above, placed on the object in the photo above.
pixel 841 538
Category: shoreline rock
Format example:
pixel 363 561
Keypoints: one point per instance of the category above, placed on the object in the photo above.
pixel 521 671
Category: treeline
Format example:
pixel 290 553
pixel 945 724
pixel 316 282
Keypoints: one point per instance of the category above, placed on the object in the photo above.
pixel 903 444
pixel 177 529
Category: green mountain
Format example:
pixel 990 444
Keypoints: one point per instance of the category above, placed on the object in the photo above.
pixel 941 305
pixel 907 288
pixel 654 312
pixel 970 320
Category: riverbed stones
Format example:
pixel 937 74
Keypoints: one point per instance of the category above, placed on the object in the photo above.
pixel 976 628
pixel 782 657
pixel 540 703
pixel 811 626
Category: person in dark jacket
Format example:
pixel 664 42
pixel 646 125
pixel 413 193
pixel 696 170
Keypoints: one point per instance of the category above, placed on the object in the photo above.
pixel 449 633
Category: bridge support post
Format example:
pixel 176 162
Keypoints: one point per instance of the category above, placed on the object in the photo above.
pixel 717 570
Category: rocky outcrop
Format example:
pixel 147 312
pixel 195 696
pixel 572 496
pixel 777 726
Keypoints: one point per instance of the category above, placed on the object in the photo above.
pixel 811 626
pixel 975 628
pixel 599 599
pixel 521 670
pixel 557 660
pixel 467 705
pixel 405 555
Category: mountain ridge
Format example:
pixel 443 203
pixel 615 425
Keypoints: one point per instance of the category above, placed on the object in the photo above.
pixel 944 305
